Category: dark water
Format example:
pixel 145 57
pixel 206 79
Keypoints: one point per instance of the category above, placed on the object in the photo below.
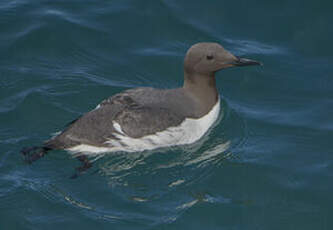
pixel 268 164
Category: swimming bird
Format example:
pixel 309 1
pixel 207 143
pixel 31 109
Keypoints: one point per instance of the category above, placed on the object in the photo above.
pixel 147 118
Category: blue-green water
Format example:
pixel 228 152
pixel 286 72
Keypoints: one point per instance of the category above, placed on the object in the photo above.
pixel 268 164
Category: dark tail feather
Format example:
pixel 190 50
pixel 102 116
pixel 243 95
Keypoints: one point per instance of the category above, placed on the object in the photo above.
pixel 32 154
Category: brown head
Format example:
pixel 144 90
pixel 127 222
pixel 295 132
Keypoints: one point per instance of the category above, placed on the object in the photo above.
pixel 201 62
pixel 206 58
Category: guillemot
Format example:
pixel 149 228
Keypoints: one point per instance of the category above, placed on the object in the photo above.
pixel 147 118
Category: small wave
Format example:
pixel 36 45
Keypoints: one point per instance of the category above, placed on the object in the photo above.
pixel 210 154
pixel 11 4
pixel 69 17
pixel 27 30
pixel 176 183
pixel 242 47
pixel 104 81
pixel 203 198
pixel 175 49
pixel 12 102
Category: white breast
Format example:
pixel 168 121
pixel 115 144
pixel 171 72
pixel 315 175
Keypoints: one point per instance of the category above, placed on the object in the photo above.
pixel 189 131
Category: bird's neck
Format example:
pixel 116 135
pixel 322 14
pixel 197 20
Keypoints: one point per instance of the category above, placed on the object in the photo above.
pixel 203 88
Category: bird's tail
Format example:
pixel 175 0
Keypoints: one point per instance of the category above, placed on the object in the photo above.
pixel 32 154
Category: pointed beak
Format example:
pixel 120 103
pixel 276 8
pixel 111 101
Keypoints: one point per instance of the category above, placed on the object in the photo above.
pixel 245 62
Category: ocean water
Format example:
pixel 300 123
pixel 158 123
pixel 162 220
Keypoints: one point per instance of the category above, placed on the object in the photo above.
pixel 267 164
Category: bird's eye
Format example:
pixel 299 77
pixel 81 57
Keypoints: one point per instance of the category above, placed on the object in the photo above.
pixel 209 57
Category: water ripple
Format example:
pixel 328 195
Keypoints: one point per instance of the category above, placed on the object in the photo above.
pixel 12 102
pixel 242 47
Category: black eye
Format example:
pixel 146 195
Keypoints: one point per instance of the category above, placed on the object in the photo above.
pixel 209 57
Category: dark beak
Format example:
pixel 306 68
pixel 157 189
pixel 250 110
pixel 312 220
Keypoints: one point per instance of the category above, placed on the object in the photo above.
pixel 245 62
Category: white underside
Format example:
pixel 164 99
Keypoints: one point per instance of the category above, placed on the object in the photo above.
pixel 189 131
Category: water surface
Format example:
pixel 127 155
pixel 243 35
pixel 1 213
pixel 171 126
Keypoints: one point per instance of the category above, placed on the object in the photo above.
pixel 267 164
